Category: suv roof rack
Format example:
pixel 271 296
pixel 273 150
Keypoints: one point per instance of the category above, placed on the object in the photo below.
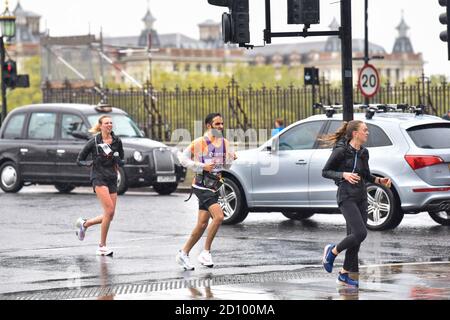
pixel 372 109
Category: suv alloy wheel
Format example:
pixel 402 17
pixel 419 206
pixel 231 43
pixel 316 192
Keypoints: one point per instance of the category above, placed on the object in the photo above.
pixel 384 210
pixel 232 203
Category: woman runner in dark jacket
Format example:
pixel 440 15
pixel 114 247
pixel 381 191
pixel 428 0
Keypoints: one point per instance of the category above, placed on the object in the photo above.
pixel 107 155
pixel 348 166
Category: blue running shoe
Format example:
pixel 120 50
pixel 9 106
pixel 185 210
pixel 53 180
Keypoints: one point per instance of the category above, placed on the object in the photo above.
pixel 344 279
pixel 328 258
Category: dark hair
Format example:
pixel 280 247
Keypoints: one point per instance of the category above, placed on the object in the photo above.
pixel 346 130
pixel 210 117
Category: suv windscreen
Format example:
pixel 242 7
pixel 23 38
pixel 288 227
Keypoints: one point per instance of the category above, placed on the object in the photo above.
pixel 123 126
pixel 431 136
pixel 14 127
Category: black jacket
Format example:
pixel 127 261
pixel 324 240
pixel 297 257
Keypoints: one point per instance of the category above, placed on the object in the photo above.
pixel 103 166
pixel 342 160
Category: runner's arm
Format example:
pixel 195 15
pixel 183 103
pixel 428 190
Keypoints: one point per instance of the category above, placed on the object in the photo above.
pixel 187 159
pixel 82 156
pixel 231 155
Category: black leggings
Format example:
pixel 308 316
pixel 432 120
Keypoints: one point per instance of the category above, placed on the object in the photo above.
pixel 355 214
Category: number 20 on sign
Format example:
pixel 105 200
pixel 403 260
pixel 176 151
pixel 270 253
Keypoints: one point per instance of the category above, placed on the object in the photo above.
pixel 369 81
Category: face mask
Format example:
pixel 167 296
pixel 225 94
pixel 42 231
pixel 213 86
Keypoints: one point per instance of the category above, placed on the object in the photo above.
pixel 217 133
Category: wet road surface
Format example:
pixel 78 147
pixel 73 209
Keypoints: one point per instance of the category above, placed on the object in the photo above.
pixel 266 257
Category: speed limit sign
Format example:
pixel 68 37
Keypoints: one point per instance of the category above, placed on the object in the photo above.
pixel 369 81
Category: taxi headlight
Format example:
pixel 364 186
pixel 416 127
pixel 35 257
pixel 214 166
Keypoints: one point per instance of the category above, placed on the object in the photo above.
pixel 138 156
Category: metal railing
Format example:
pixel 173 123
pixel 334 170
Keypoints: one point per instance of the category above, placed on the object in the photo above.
pixel 160 112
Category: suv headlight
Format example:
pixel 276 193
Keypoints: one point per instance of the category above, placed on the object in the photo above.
pixel 138 156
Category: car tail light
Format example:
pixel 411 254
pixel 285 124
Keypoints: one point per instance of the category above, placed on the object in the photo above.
pixel 419 162
pixel 426 190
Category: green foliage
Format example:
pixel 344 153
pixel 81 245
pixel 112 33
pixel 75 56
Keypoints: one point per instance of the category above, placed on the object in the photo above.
pixel 23 96
pixel 269 76
pixel 256 76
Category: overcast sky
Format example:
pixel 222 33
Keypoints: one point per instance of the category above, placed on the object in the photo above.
pixel 123 18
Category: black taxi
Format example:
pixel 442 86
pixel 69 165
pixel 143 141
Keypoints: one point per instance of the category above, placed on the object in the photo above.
pixel 39 144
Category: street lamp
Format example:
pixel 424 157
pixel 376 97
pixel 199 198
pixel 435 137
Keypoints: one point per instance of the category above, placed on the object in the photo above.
pixel 8 30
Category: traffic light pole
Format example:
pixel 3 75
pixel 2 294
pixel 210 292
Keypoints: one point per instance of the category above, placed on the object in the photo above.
pixel 347 58
pixel 366 40
pixel 3 84
pixel 345 33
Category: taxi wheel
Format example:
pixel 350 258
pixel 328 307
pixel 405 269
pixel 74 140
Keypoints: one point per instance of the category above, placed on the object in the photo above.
pixel 10 178
pixel 122 185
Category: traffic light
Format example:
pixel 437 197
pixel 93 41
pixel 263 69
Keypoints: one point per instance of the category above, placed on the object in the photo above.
pixel 312 76
pixel 10 73
pixel 444 18
pixel 305 12
pixel 236 24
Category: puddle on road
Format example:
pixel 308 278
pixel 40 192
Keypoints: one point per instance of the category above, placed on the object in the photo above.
pixel 412 281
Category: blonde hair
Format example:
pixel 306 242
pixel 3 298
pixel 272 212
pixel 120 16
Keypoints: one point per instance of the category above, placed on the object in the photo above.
pixel 346 130
pixel 96 128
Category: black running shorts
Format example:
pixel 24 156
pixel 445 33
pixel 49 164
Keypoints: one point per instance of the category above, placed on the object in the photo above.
pixel 110 183
pixel 206 198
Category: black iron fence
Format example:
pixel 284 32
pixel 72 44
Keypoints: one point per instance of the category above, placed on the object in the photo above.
pixel 160 112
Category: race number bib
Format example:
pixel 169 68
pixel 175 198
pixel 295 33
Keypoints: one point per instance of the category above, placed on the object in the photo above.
pixel 105 147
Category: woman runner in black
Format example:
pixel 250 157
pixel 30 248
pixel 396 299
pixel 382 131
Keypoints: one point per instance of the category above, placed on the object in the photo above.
pixel 107 155
pixel 348 166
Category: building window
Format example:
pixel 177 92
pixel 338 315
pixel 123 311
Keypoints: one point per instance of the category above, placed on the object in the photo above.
pixel 208 68
pixel 219 68
pixel 187 67
pixel 198 67
pixel 175 67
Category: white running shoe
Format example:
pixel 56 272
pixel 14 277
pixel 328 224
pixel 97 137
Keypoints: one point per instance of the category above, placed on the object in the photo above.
pixel 183 260
pixel 81 230
pixel 104 251
pixel 205 259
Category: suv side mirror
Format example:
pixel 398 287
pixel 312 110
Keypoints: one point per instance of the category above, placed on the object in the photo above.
pixel 275 145
pixel 81 135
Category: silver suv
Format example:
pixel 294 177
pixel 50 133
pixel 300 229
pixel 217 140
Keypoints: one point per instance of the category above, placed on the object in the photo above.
pixel 285 173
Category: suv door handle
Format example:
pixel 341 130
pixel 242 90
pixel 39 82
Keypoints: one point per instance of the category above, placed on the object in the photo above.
pixel 60 151
pixel 23 150
pixel 301 163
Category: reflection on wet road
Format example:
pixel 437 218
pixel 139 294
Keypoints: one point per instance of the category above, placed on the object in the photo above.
pixel 40 255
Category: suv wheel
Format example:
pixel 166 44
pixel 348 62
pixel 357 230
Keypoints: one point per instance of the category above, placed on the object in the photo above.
pixel 64 187
pixel 384 210
pixel 231 201
pixel 10 179
pixel 165 189
pixel 297 215
pixel 122 186
pixel 441 217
